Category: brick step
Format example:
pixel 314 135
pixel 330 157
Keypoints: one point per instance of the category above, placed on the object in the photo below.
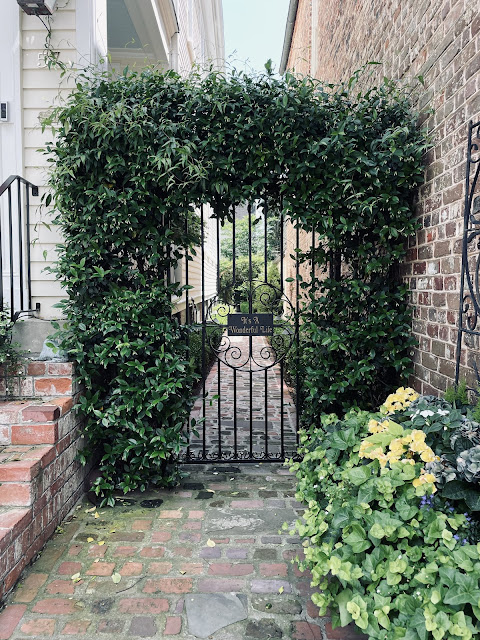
pixel 13 521
pixel 32 423
pixel 21 468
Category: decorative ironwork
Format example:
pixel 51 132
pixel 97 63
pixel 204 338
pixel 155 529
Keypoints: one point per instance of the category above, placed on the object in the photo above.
pixel 272 300
pixel 245 425
pixel 469 305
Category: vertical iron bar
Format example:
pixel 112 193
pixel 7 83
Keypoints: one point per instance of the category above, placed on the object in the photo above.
pixel 250 306
pixel 234 284
pixel 187 321
pixel 29 268
pixel 10 249
pixel 282 422
pixel 297 313
pixel 219 400
pixel 203 331
pixel 466 217
pixel 20 243
pixel 265 250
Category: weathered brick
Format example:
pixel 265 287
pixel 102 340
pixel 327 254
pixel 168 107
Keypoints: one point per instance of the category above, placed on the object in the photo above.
pixel 306 631
pixel 30 587
pixel 9 619
pixel 143 605
pixel 229 569
pixel 54 606
pixel 173 626
pixel 76 627
pixel 39 627
pixel 168 585
pixel 220 585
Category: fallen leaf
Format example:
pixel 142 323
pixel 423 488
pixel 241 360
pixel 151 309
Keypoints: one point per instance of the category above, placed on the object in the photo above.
pixel 101 542
pixel 234 493
pixel 116 577
pixel 210 543
pixel 215 473
pixel 97 560
pixel 113 531
pixel 90 510
pixel 96 515
pixel 75 577
pixel 182 572
pixel 90 539
pixel 210 491
pixel 281 590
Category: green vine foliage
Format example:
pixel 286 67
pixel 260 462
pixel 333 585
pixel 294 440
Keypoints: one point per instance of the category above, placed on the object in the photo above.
pixel 135 155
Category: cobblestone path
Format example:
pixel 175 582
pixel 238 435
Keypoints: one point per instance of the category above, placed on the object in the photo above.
pixel 231 429
pixel 134 570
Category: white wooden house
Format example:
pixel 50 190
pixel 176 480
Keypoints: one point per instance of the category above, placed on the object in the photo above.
pixel 173 33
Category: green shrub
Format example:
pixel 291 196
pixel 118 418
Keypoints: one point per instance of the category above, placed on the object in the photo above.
pixel 132 158
pixel 10 355
pixel 384 552
pixel 195 342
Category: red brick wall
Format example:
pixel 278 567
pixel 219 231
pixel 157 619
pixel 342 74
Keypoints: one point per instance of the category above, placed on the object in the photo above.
pixel 440 40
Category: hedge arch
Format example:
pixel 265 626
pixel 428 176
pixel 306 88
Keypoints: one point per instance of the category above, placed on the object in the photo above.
pixel 134 155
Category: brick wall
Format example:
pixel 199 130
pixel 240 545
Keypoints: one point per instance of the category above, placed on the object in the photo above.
pixel 440 40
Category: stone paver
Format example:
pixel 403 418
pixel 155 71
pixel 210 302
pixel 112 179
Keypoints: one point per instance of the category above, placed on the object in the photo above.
pixel 126 572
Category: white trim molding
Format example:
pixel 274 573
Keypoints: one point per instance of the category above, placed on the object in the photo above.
pixel 11 132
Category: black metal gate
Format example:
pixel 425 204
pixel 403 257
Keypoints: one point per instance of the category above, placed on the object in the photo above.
pixel 239 309
pixel 469 310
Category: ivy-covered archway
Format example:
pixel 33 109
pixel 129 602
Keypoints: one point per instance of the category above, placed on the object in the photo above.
pixel 134 156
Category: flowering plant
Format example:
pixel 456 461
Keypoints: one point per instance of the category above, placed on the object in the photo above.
pixel 384 549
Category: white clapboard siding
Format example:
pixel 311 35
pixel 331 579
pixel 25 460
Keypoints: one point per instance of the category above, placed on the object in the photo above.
pixel 42 87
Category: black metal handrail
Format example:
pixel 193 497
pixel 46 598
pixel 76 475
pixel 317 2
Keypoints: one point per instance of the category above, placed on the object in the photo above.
pixel 15 247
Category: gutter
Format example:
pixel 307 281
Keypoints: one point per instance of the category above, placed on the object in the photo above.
pixel 287 41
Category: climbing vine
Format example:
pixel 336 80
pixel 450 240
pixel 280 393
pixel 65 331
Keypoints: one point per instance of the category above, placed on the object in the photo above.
pixel 135 155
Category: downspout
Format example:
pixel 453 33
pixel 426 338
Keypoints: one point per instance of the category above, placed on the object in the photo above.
pixel 287 41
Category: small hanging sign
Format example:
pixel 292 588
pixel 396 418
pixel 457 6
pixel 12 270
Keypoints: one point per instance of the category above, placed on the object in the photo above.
pixel 250 324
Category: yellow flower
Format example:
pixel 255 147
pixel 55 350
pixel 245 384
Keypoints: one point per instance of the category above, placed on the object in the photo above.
pixel 427 455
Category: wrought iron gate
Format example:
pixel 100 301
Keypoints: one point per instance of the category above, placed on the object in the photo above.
pixel 246 318
pixel 469 310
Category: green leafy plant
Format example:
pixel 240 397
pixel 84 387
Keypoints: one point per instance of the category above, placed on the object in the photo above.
pixel 136 155
pixel 457 394
pixel 10 355
pixel 383 550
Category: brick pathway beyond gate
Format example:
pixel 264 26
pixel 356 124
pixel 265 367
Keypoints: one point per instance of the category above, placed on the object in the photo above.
pixel 233 413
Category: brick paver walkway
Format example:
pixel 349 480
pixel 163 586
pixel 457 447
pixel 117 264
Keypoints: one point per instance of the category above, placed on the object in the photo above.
pixel 261 389
pixel 125 572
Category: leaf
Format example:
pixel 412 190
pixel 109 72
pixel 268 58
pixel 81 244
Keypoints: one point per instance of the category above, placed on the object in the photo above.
pixel 281 590
pixel 90 539
pixel 210 543
pixel 75 577
pixel 359 475
pixel 101 542
pixel 116 577
pixel 96 515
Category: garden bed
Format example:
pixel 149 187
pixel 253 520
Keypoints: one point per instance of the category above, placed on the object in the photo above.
pixel 391 529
